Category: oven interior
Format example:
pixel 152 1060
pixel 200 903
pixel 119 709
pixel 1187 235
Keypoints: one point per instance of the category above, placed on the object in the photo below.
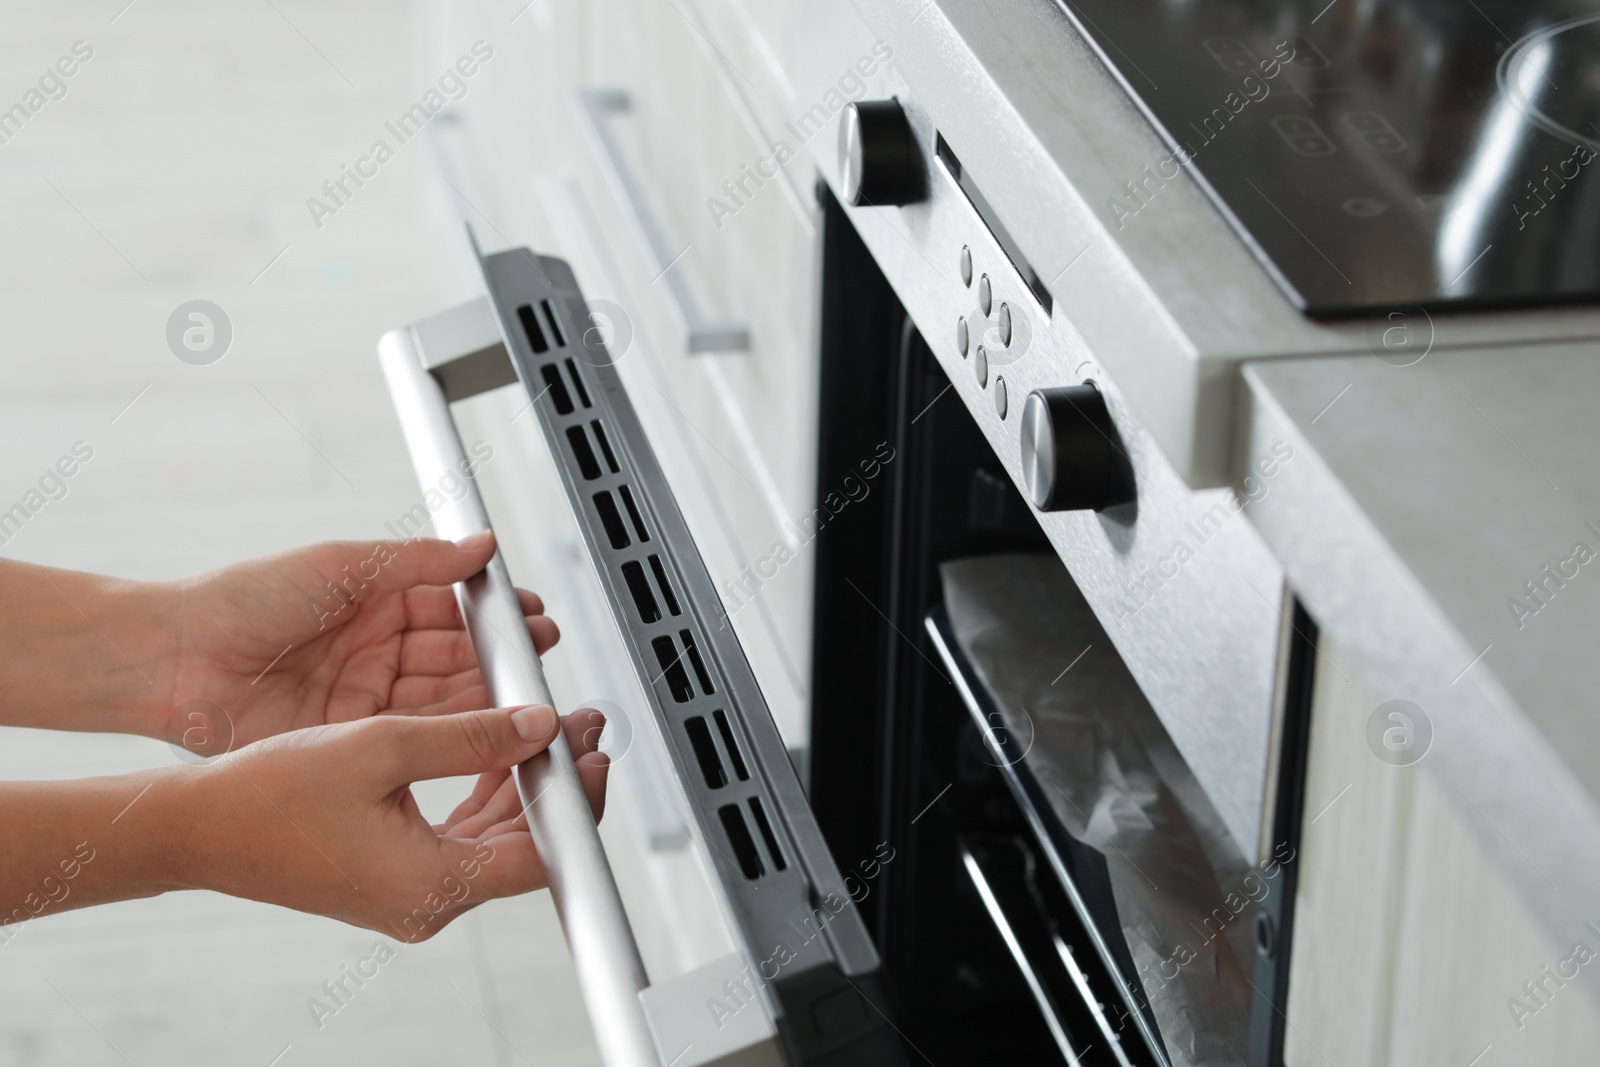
pixel 1001 929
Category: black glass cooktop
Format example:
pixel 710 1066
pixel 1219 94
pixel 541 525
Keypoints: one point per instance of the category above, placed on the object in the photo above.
pixel 1376 153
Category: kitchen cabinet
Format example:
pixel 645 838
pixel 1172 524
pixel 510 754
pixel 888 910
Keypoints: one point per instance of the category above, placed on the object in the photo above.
pixel 706 94
pixel 1411 947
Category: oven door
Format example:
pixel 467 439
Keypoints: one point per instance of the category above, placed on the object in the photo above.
pixel 803 983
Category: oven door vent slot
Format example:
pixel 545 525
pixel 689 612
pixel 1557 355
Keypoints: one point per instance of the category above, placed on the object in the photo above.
pixel 605 445
pixel 766 833
pixel 555 325
pixel 577 384
pixel 531 330
pixel 611 519
pixel 744 846
pixel 705 750
pixel 639 586
pixel 666 586
pixel 556 388
pixel 731 745
pixel 588 465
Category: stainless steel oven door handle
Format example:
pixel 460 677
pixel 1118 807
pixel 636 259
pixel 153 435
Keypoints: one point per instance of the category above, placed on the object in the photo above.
pixel 595 106
pixel 610 972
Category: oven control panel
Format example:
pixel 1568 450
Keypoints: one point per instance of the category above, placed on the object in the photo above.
pixel 1183 585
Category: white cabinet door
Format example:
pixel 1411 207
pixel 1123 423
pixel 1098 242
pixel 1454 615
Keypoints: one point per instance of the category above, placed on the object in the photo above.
pixel 1411 948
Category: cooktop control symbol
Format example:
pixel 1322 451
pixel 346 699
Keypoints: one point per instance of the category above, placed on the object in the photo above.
pixel 1072 457
pixel 879 163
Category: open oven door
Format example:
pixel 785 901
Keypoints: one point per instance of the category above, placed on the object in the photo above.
pixel 807 959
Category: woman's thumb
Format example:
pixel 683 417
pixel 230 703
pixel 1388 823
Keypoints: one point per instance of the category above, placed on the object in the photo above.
pixel 419 748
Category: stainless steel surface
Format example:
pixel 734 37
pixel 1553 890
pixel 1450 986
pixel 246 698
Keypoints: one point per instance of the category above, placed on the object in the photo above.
pixel 607 961
pixel 461 348
pixel 1038 451
pixel 596 107
pixel 1072 456
pixel 1171 301
pixel 878 159
pixel 850 154
pixel 1185 588
pixel 1421 504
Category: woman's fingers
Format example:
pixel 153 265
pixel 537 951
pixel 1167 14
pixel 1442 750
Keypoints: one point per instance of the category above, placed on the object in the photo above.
pixel 433 607
pixel 505 865
pixel 416 748
pixel 471 698
pixel 436 652
pixel 410 693
pixel 583 729
pixel 363 570
pixel 445 652
pixel 489 783
pixel 501 806
pixel 592 771
pixel 499 809
pixel 544 631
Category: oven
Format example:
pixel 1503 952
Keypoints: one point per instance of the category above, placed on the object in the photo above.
pixel 886 398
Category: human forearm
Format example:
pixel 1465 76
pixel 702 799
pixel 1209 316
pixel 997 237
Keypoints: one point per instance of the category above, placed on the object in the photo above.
pixel 83 652
pixel 76 843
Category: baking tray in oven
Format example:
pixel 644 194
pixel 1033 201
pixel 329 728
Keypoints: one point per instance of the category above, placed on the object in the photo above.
pixel 1164 903
pixel 1110 990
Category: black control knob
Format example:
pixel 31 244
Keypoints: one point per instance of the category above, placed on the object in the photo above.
pixel 1072 456
pixel 879 162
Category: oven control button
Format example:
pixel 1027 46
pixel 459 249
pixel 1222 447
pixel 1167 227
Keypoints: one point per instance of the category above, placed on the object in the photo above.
pixel 961 336
pixel 879 162
pixel 980 366
pixel 985 295
pixel 1002 323
pixel 1000 396
pixel 966 265
pixel 1072 457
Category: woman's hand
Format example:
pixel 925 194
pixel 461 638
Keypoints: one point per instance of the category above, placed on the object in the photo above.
pixel 329 633
pixel 322 820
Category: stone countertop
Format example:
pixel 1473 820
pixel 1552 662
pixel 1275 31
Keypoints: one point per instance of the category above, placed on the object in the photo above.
pixel 1441 522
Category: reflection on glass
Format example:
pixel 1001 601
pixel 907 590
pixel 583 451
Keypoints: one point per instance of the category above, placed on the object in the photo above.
pixel 1375 155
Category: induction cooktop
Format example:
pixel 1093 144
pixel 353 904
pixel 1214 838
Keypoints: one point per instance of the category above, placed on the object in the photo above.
pixel 1376 153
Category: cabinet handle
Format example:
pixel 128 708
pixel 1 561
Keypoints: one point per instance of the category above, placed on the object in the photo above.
pixel 610 972
pixel 595 107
